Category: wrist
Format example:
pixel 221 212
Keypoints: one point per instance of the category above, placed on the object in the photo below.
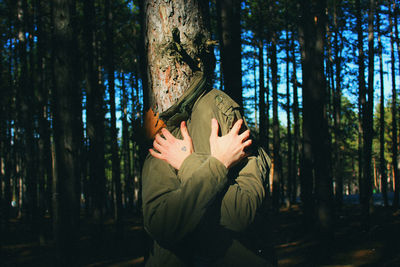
pixel 223 160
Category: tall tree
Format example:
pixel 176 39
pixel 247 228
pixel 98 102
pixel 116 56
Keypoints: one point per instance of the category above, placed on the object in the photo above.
pixel 337 96
pixel 361 92
pixel 67 112
pixel 94 122
pixel 116 165
pixel 367 102
pixel 296 119
pixel 315 126
pixel 382 161
pixel 394 109
pixel 229 29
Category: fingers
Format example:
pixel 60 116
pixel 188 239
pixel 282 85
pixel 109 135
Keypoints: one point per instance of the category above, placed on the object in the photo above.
pixel 236 127
pixel 158 146
pixel 184 131
pixel 155 154
pixel 167 134
pixel 214 128
pixel 244 135
pixel 247 143
pixel 160 140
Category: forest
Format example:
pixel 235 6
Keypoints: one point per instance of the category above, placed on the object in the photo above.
pixel 318 82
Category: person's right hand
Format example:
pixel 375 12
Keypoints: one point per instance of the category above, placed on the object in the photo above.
pixel 229 149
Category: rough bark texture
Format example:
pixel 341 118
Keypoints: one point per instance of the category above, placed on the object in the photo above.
pixel 177 43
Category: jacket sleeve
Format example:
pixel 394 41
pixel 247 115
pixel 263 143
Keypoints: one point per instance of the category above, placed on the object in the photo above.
pixel 174 202
pixel 246 191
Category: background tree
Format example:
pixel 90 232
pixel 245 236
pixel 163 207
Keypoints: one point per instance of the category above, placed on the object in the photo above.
pixel 229 31
pixel 67 112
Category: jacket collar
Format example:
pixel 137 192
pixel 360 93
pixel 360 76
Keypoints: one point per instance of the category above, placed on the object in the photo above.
pixel 181 110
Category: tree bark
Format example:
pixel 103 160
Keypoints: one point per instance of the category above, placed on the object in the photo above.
pixel 177 42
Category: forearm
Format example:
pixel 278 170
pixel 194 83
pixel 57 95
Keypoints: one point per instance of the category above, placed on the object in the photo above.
pixel 173 204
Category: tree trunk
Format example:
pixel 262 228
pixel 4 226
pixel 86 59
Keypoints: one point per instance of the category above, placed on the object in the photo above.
pixel 116 166
pixel 382 162
pixel 337 95
pixel 277 178
pixel 315 125
pixel 126 145
pixel 296 119
pixel 230 46
pixel 396 174
pixel 94 123
pixel 289 128
pixel 42 94
pixel 395 133
pixel 367 103
pixel 67 112
pixel 361 93
pixel 170 29
pixel 261 94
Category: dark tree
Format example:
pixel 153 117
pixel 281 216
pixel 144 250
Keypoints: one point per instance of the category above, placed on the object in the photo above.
pixel 382 161
pixel 67 112
pixel 230 46
pixel 315 126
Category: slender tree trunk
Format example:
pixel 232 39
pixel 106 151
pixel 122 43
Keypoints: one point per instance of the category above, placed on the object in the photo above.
pixel 361 94
pixel 296 119
pixel 230 46
pixel 396 175
pixel 67 112
pixel 277 178
pixel 337 95
pixel 289 129
pixel 261 96
pixel 367 102
pixel 116 166
pixel 126 144
pixel 382 161
pixel 94 124
pixel 306 163
pixel 42 95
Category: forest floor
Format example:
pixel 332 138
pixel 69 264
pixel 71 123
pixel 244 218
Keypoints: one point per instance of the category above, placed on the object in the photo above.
pixel 352 246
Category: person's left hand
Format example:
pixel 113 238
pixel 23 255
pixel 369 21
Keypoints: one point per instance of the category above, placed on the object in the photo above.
pixel 172 150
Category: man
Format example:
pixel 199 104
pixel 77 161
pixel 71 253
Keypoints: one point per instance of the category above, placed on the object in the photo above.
pixel 202 189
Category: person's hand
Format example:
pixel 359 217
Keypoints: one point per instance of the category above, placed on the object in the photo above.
pixel 172 150
pixel 229 149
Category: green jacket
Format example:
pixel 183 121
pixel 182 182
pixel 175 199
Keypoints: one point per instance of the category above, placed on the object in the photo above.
pixel 196 215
